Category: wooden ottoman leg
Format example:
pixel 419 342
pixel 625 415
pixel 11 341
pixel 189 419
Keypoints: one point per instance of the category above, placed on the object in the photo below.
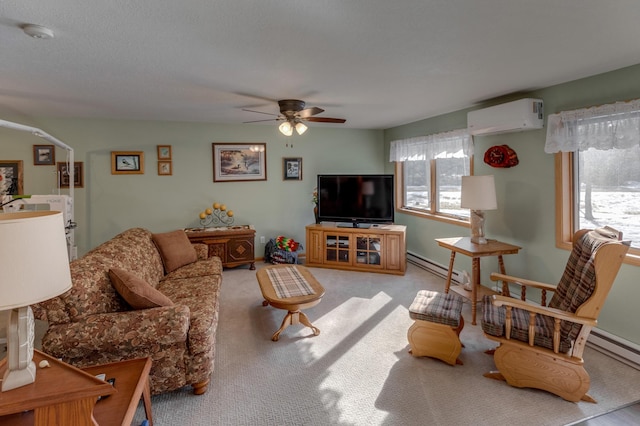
pixel 435 340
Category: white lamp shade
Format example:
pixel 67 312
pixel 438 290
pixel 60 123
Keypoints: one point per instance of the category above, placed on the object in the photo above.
pixel 301 128
pixel 286 128
pixel 478 193
pixel 34 264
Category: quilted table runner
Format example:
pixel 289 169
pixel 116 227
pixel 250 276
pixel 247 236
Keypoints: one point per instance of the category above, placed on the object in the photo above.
pixel 289 282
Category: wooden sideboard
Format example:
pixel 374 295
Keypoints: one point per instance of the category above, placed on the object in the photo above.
pixel 234 245
pixel 381 248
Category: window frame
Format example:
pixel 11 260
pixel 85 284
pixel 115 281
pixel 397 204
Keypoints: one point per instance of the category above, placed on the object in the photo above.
pixel 565 170
pixel 432 213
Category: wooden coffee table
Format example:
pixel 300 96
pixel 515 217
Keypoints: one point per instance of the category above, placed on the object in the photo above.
pixel 132 382
pixel 294 304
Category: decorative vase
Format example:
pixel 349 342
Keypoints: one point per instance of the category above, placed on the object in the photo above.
pixel 315 213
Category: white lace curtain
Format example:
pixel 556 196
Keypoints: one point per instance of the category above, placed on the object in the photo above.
pixel 456 143
pixel 603 127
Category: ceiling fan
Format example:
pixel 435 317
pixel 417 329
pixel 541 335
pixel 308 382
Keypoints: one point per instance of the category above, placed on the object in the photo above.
pixel 293 113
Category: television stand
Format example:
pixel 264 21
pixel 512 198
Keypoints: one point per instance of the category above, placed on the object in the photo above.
pixel 380 248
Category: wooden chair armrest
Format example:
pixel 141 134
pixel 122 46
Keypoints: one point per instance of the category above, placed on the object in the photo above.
pixel 496 276
pixel 524 283
pixel 533 309
pixel 543 310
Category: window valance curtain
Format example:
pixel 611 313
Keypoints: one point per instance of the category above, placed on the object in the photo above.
pixel 603 127
pixel 456 143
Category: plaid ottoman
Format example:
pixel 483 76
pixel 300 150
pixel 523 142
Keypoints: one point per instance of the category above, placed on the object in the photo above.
pixel 438 322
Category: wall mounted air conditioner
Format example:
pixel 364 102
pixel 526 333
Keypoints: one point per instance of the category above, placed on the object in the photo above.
pixel 516 116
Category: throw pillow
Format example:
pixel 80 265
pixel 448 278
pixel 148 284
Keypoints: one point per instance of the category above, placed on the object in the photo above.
pixel 137 292
pixel 175 249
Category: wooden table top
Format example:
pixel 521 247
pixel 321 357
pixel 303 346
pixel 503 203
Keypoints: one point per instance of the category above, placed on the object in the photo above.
pixel 465 246
pixel 269 293
pixel 56 384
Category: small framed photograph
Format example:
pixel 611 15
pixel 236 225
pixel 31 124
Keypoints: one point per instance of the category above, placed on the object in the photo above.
pixel 292 168
pixel 165 168
pixel 127 162
pixel 11 177
pixel 233 162
pixel 78 174
pixel 44 155
pixel 164 152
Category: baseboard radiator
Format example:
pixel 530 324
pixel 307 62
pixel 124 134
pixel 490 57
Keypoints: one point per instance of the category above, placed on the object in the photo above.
pixel 616 347
pixel 607 343
pixel 433 267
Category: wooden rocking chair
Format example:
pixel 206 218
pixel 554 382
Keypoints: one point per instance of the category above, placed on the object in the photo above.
pixel 541 346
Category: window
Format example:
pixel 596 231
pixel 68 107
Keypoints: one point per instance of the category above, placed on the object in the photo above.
pixel 429 174
pixel 598 150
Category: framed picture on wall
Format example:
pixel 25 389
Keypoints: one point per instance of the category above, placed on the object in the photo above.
pixel 292 168
pixel 11 177
pixel 165 168
pixel 127 162
pixel 78 174
pixel 44 155
pixel 234 162
pixel 164 152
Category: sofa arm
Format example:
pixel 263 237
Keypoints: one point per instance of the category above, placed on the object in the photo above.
pixel 202 250
pixel 118 332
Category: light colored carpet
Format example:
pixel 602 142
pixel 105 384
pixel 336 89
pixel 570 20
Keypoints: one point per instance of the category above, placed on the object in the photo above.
pixel 358 370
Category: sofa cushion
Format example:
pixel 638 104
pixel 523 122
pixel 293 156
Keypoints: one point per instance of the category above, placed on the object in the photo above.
pixel 175 249
pixel 201 295
pixel 202 268
pixel 137 292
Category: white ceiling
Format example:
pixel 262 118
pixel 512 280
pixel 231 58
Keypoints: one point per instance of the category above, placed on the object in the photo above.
pixel 376 63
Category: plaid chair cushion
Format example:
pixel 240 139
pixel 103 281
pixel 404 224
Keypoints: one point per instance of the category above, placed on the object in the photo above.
pixel 436 307
pixel 578 280
pixel 575 287
pixel 493 319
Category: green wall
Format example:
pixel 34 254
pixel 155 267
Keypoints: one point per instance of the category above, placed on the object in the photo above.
pixel 526 197
pixel 109 204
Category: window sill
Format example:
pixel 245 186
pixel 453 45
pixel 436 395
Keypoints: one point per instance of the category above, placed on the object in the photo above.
pixel 439 217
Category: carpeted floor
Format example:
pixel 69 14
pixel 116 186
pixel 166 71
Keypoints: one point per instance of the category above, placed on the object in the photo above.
pixel 358 370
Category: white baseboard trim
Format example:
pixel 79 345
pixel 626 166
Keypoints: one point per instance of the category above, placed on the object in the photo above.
pixel 607 343
pixel 616 347
pixel 433 267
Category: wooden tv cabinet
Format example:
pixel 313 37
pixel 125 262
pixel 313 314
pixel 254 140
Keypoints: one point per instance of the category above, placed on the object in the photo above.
pixel 380 248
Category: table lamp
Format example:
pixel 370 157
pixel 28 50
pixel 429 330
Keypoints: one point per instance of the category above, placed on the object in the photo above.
pixel 34 267
pixel 478 194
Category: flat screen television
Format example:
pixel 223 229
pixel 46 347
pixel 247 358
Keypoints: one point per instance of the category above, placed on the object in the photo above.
pixel 356 200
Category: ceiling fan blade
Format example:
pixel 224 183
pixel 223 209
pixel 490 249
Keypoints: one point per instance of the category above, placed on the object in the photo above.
pixel 326 120
pixel 259 112
pixel 258 121
pixel 308 112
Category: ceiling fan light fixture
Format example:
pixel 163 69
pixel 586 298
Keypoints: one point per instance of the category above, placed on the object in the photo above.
pixel 286 128
pixel 300 127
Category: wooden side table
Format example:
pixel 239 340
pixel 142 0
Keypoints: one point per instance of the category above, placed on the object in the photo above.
pixel 234 245
pixel 464 246
pixel 60 391
pixel 68 394
pixel 132 383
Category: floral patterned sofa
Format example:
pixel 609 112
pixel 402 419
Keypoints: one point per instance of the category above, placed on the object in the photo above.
pixel 93 324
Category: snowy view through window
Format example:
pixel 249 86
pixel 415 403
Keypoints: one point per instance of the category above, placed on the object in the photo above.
pixel 609 195
pixel 610 191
